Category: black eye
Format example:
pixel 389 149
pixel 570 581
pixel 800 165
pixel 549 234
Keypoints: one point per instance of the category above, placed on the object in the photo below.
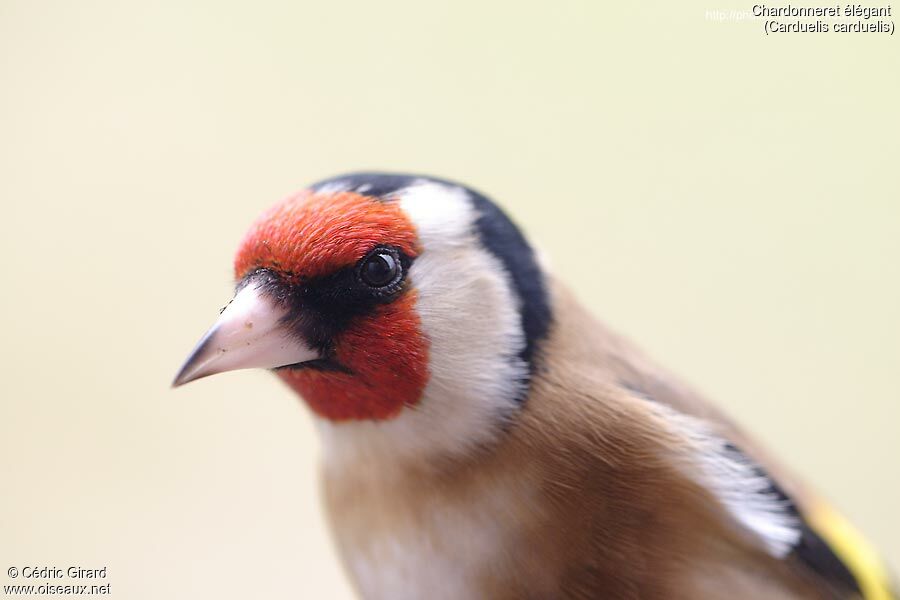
pixel 380 269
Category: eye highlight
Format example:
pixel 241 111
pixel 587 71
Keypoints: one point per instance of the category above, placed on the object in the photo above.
pixel 381 268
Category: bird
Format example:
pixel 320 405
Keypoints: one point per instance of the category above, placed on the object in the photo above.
pixel 484 435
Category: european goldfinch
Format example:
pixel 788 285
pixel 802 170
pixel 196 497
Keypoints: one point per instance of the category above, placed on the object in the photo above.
pixel 485 437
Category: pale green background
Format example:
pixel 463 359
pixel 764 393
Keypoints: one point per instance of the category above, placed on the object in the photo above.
pixel 727 199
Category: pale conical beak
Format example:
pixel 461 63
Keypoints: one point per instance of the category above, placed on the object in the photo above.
pixel 250 333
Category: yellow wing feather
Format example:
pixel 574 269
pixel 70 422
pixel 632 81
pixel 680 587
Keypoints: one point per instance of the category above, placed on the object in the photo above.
pixel 852 548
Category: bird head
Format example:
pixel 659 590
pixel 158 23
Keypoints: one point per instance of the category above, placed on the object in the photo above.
pixel 386 301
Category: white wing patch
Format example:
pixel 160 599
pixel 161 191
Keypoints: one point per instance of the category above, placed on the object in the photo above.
pixel 740 485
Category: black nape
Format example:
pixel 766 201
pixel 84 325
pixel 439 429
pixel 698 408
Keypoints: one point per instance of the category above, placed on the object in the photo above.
pixel 503 239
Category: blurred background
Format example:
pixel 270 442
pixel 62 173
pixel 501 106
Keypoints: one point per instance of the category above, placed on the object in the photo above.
pixel 729 200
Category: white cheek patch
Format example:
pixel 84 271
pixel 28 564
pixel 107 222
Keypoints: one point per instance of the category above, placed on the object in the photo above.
pixel 470 315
